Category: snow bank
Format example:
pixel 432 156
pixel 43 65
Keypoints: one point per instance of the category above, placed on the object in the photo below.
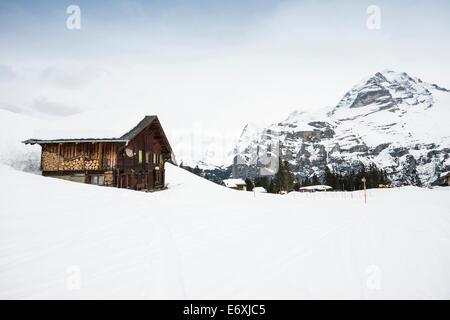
pixel 201 240
pixel 15 128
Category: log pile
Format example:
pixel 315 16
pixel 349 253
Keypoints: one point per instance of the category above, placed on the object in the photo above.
pixel 91 164
pixel 49 161
pixel 73 164
pixel 80 163
pixel 108 178
pixel 52 162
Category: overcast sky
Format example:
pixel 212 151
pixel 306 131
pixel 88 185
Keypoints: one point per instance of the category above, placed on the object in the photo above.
pixel 219 64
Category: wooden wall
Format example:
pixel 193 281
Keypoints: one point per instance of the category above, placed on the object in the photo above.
pixel 110 160
pixel 78 156
pixel 142 175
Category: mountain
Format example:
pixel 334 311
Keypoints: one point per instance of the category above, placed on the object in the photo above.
pixel 396 121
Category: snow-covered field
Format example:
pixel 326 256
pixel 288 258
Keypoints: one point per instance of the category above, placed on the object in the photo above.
pixel 61 239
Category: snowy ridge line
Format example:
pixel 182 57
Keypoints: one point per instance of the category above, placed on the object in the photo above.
pixel 391 119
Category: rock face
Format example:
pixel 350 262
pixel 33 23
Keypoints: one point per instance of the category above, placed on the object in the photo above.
pixel 398 122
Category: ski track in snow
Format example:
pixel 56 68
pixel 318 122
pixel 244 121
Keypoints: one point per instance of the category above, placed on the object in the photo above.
pixel 202 241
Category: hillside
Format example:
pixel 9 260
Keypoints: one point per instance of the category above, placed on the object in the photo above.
pixel 200 240
pixel 391 119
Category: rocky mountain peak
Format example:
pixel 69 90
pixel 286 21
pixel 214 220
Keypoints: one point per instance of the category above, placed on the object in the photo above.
pixel 390 118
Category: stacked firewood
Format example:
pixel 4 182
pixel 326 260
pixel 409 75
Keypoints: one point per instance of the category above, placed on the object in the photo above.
pixel 80 163
pixel 52 162
pixel 49 161
pixel 91 164
pixel 108 177
pixel 73 164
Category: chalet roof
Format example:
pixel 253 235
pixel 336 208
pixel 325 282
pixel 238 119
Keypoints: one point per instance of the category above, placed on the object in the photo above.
pixel 38 141
pixel 445 175
pixel 147 120
pixel 259 190
pixel 317 187
pixel 141 125
pixel 233 183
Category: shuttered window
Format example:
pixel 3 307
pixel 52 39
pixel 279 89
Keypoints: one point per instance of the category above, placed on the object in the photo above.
pixel 140 156
pixel 154 158
pixel 147 157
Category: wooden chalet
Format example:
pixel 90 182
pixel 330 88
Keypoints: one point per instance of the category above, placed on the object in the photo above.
pixel 236 184
pixel 134 160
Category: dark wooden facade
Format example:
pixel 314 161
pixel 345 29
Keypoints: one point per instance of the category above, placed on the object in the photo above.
pixel 144 169
pixel 135 160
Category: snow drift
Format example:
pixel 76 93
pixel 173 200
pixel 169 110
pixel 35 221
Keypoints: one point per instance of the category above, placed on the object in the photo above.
pixel 196 240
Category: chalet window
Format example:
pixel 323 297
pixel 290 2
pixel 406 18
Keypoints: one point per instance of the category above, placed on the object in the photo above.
pixel 147 157
pixel 161 159
pixel 140 156
pixel 154 158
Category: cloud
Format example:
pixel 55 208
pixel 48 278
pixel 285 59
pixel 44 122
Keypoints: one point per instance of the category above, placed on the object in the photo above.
pixel 70 76
pixel 12 108
pixel 46 107
pixel 6 73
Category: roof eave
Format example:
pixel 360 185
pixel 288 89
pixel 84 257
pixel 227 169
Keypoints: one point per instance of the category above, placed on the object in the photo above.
pixel 39 141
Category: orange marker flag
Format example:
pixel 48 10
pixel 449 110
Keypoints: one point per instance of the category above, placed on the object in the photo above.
pixel 365 198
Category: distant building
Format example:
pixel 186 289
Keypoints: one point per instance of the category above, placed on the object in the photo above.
pixel 447 177
pixel 259 190
pixel 320 187
pixel 237 184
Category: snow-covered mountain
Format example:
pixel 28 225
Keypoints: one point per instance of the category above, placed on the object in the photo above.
pixel 396 121
pixel 392 119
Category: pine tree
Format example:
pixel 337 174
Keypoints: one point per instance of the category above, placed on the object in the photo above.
pixel 297 184
pixel 351 180
pixel 338 180
pixel 249 184
pixel 262 181
pixel 306 182
pixel 330 179
pixel 274 186
pixel 277 182
pixel 315 180
pixel 197 171
pixel 288 177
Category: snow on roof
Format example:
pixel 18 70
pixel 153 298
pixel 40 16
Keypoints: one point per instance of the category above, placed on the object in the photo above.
pixel 316 187
pixel 259 189
pixel 233 183
pixel 445 175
